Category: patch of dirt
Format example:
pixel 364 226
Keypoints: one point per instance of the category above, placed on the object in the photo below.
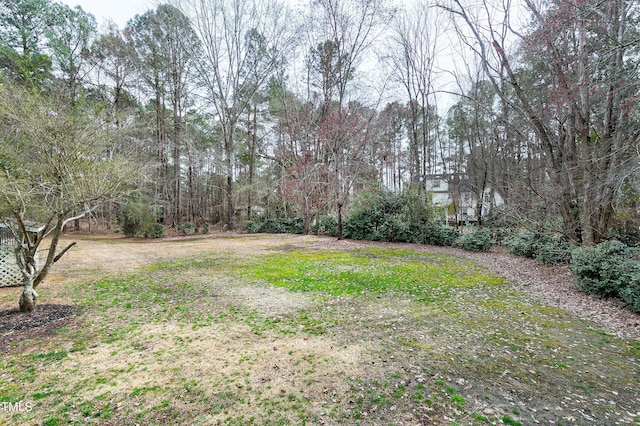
pixel 16 326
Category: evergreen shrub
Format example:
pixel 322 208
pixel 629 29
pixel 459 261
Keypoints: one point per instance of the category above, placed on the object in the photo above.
pixel 551 250
pixel 436 234
pixel 155 231
pixel 523 244
pixel 186 228
pixel 604 269
pixel 476 240
pixel 138 218
pixel 251 226
pixel 328 225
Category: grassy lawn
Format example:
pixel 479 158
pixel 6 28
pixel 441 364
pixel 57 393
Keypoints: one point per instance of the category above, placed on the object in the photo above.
pixel 294 335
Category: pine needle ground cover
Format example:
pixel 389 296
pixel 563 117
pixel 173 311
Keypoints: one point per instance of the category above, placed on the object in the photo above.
pixel 291 334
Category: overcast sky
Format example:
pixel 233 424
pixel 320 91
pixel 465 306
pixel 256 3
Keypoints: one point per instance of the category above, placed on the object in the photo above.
pixel 120 11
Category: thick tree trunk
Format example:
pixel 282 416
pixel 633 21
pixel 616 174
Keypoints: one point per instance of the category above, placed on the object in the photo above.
pixel 28 297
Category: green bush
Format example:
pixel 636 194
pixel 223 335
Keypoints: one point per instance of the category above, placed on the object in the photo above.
pixel 630 294
pixel 416 206
pixel 276 226
pixel 385 216
pixel 523 244
pixel 363 225
pixel 381 216
pixel 395 230
pixel 603 269
pixel 326 226
pixel 436 234
pixel 251 227
pixel 138 218
pixel 626 233
pixel 273 226
pixel 553 251
pixel 476 240
pixel 155 231
pixel 205 228
pixel 186 228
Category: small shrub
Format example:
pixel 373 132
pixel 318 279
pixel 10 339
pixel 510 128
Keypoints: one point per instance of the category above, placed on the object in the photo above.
pixel 547 249
pixel 393 230
pixel 363 224
pixel 138 217
pixel 154 231
pixel 295 225
pixel 326 226
pixel 553 251
pixel 251 227
pixel 630 293
pixel 277 226
pixel 186 228
pixel 273 226
pixel 476 240
pixel 601 269
pixel 524 244
pixel 628 233
pixel 205 228
pixel 436 234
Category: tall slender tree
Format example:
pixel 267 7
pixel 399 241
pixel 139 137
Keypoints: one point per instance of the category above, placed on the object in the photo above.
pixel 23 24
pixel 70 40
pixel 414 42
pixel 228 31
pixel 166 47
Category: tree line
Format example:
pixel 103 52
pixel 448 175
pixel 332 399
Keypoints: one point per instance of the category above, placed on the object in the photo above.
pixel 253 109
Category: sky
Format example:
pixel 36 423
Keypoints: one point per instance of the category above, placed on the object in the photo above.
pixel 120 11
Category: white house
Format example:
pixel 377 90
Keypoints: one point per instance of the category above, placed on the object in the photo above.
pixel 456 194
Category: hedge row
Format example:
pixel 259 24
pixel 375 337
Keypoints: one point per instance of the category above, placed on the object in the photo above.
pixel 363 226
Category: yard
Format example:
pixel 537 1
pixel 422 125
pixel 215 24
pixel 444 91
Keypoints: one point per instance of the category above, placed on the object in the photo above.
pixel 283 329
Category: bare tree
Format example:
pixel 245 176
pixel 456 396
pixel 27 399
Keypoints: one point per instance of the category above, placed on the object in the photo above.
pixel 413 47
pixel 340 34
pixel 579 106
pixel 227 30
pixel 54 171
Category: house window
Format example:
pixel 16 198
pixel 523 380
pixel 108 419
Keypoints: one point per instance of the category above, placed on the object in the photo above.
pixel 436 184
pixel 487 198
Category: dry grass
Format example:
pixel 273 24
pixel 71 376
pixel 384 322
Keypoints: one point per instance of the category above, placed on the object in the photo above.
pixel 175 332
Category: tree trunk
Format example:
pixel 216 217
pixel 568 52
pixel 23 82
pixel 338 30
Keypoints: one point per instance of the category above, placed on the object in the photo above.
pixel 307 215
pixel 253 141
pixel 29 296
pixel 229 130
pixel 340 237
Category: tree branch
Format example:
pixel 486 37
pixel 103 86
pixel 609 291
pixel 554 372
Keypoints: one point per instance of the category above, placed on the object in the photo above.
pixel 64 250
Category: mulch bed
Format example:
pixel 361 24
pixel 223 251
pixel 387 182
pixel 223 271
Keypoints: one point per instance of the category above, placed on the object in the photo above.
pixel 16 326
